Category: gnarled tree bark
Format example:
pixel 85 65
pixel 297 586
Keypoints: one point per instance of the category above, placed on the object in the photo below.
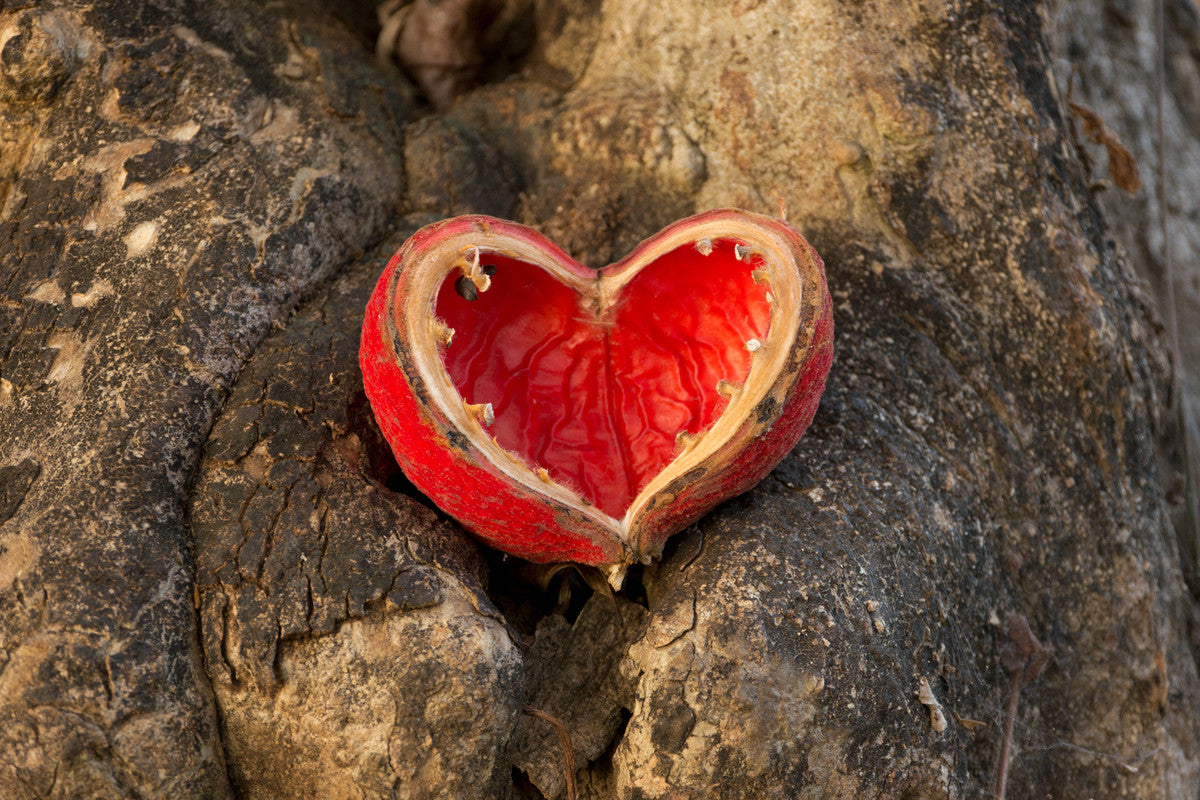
pixel 213 583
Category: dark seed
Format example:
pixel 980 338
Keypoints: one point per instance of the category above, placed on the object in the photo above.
pixel 466 289
pixel 489 269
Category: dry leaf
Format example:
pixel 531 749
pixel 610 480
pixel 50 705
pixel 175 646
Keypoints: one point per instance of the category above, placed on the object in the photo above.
pixel 967 722
pixel 937 717
pixel 1121 164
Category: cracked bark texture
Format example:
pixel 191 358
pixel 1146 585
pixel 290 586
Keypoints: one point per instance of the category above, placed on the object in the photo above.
pixel 173 180
pixel 207 587
pixel 350 645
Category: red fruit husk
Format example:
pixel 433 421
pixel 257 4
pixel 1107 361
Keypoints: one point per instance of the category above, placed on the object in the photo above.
pixel 560 510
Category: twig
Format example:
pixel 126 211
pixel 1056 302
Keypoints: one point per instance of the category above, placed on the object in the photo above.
pixel 1010 721
pixel 564 739
pixel 1025 658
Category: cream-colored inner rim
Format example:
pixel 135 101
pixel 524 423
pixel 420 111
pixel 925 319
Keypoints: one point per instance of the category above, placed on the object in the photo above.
pixel 427 272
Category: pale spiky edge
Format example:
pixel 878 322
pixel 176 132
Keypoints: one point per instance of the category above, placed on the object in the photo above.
pixel 765 250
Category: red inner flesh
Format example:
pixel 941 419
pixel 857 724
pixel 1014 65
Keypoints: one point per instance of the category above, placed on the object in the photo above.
pixel 598 401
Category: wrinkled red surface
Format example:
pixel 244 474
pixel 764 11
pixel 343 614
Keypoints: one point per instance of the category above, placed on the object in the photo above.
pixel 598 400
pixel 498 510
pixel 516 516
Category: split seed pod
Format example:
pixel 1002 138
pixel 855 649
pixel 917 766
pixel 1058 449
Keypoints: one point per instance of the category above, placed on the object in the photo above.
pixel 564 413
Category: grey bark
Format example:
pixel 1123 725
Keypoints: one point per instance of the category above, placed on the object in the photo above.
pixel 209 587
pixel 1107 54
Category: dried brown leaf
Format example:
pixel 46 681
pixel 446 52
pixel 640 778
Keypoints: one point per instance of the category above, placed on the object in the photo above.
pixel 967 722
pixel 1122 166
pixel 1027 657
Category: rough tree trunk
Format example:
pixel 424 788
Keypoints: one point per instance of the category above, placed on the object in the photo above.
pixel 1107 56
pixel 209 587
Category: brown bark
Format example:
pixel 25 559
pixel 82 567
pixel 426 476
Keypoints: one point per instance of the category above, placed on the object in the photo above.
pixel 210 585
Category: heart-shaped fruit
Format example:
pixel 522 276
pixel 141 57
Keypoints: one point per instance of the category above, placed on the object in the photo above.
pixel 570 414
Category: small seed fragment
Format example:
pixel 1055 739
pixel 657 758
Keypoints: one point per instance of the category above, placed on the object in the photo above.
pixel 704 246
pixel 482 412
pixel 466 289
pixel 543 475
pixel 742 252
pixel 761 275
pixel 754 345
pixel 727 389
pixel 442 333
